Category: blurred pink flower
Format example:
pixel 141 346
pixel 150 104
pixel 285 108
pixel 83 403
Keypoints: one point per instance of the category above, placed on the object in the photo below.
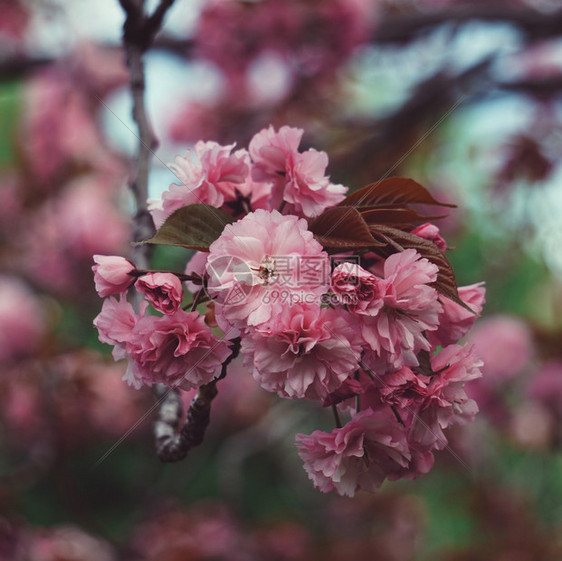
pixel 305 352
pixel 59 132
pixel 163 291
pixel 112 274
pixel 260 263
pixel 545 386
pixel 68 543
pixel 207 531
pixel 505 345
pixel 22 320
pixel 61 237
pixel 359 455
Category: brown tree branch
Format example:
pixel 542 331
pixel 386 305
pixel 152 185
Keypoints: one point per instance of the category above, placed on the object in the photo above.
pixel 139 31
pixel 172 445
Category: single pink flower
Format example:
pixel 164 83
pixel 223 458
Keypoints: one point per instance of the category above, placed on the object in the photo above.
pixel 446 402
pixel 430 232
pixel 298 177
pixel 175 350
pixel 357 456
pixel 112 274
pixel 270 150
pixel 411 308
pixel 306 351
pixel 361 291
pixel 261 264
pixel 455 321
pixel 214 175
pixel 163 290
pixel 308 190
pixel 115 323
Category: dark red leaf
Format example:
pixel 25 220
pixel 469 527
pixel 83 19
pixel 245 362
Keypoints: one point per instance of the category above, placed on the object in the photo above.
pixel 399 191
pixel 341 228
pixel 399 217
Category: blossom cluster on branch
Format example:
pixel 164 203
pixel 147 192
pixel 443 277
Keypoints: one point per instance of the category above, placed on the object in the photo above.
pixel 345 300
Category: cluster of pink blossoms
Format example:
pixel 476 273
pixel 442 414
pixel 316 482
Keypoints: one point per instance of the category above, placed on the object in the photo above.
pixel 371 337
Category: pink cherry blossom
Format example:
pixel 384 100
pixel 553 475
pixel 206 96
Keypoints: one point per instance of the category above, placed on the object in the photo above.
pixel 163 290
pixel 359 455
pixel 112 274
pixel 208 176
pixel 430 232
pixel 455 321
pixel 411 308
pixel 308 190
pixel 298 178
pixel 270 150
pixel 361 291
pixel 115 323
pixel 402 388
pixel 175 350
pixel 260 264
pixel 306 351
pixel 447 402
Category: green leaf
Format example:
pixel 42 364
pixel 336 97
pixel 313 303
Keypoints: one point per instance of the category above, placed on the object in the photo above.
pixel 341 228
pixel 394 191
pixel 194 226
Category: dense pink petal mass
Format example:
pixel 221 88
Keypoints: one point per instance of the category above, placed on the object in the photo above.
pixel 361 291
pixel 306 351
pixel 360 455
pixel 263 263
pixel 446 402
pixel 175 350
pixel 411 308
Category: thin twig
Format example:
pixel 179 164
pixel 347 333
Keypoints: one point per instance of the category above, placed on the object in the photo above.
pixel 172 445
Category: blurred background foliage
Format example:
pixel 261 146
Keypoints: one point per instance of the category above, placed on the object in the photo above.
pixel 463 96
